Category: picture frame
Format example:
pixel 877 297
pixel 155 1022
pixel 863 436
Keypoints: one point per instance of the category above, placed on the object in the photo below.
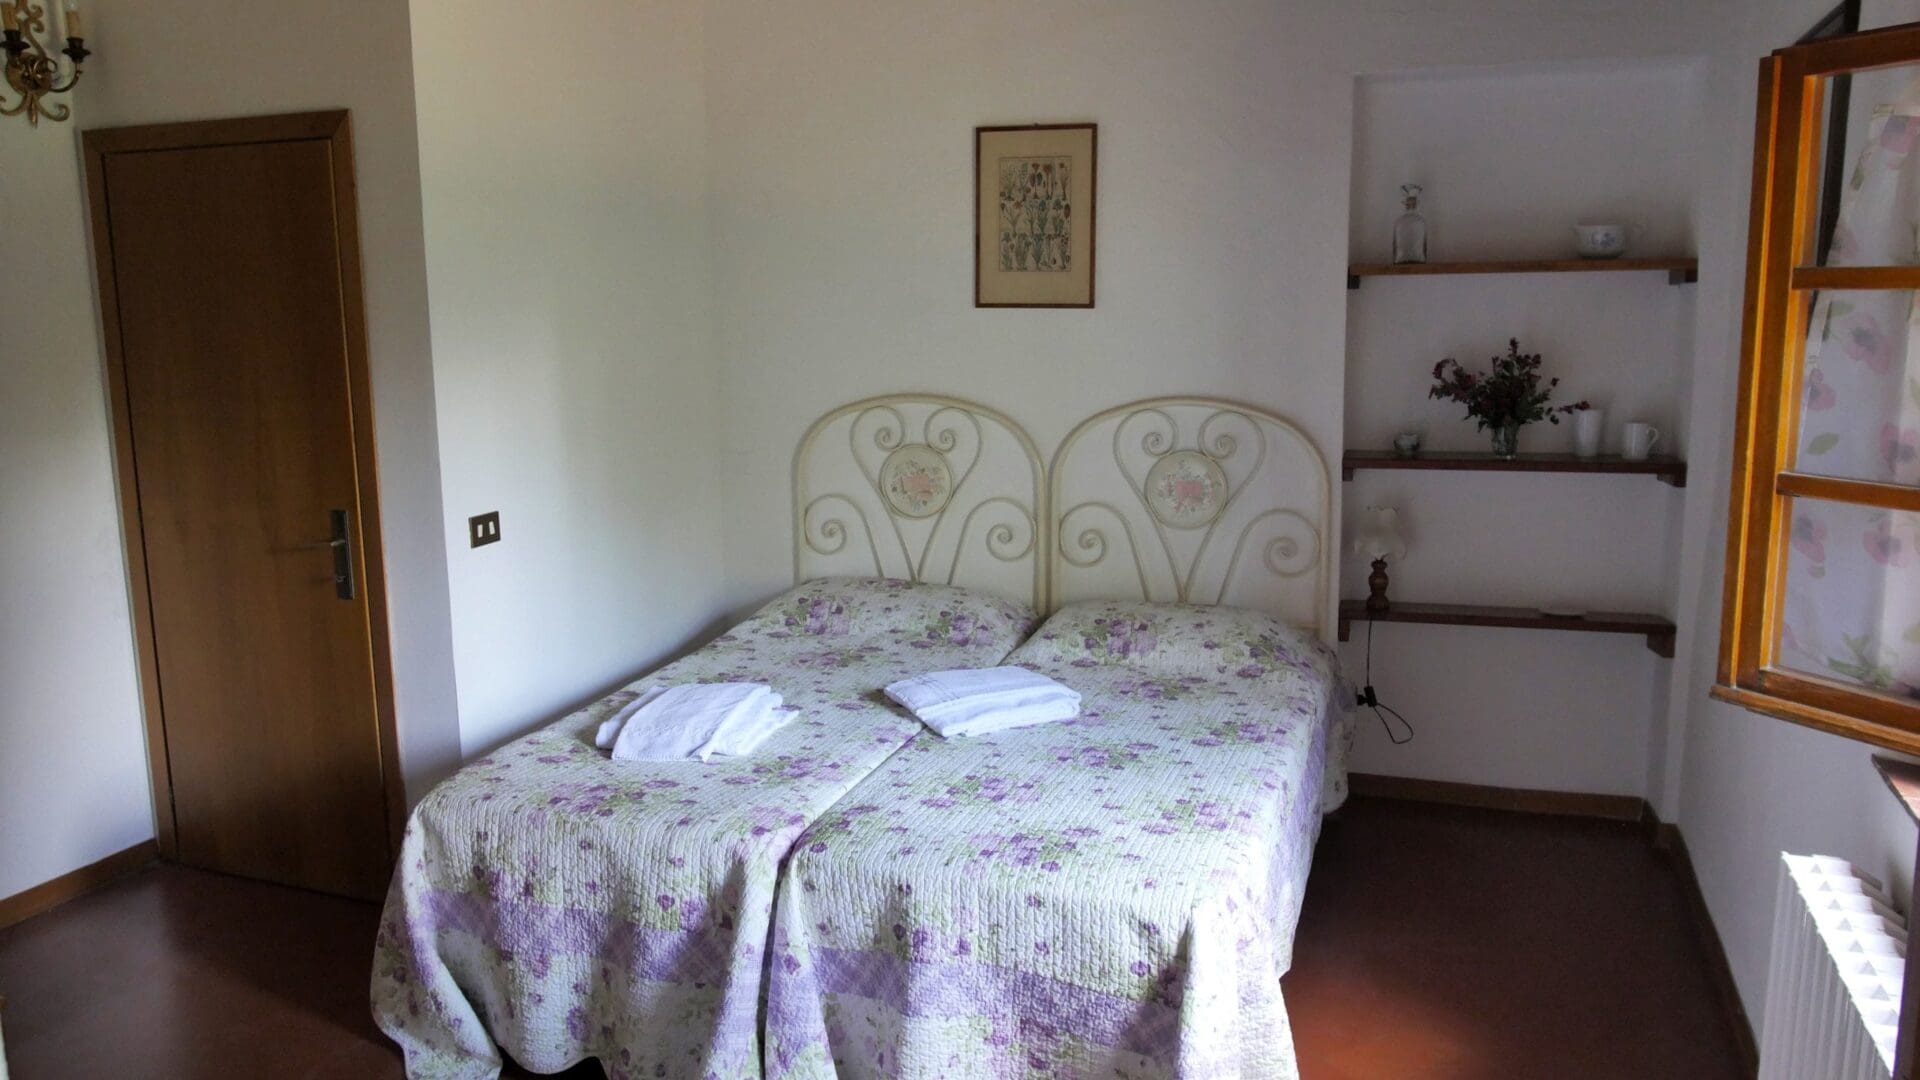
pixel 1035 191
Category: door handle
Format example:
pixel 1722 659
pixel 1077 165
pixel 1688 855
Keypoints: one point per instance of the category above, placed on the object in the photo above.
pixel 342 550
pixel 342 554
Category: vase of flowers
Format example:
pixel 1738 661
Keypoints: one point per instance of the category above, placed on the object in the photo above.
pixel 1506 397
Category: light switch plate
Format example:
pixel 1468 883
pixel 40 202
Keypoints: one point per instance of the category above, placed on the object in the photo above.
pixel 483 529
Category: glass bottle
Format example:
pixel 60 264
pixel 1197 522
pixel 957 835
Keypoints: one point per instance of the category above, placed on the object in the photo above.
pixel 1410 230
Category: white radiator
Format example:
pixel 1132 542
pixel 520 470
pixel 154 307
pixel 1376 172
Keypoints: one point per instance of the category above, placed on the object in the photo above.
pixel 1833 990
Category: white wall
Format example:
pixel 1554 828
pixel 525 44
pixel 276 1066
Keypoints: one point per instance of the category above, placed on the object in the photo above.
pixel 1512 157
pixel 73 766
pixel 201 59
pixel 842 149
pixel 1575 142
pixel 569 274
pixel 841 141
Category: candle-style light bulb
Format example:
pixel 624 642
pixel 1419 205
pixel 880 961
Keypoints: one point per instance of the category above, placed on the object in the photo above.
pixel 8 20
pixel 76 27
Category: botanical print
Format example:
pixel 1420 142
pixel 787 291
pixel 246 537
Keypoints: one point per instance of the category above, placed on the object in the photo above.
pixel 1851 605
pixel 1034 196
pixel 561 905
pixel 1036 214
pixel 1107 896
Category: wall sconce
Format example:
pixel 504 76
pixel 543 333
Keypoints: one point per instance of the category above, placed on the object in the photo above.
pixel 31 72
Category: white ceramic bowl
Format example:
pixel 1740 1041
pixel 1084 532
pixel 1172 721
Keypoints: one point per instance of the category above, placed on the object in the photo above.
pixel 1600 241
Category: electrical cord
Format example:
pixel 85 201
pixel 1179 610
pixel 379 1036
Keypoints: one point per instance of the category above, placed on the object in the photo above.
pixel 1372 701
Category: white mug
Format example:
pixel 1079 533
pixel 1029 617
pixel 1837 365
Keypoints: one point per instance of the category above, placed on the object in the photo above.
pixel 1586 432
pixel 1639 439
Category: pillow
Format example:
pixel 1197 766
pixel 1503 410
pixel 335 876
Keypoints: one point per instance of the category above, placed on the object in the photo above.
pixel 899 612
pixel 1175 640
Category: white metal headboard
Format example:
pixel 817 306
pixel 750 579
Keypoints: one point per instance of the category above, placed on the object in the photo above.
pixel 922 487
pixel 1193 500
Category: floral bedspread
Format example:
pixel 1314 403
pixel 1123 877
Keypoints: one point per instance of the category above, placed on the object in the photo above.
pixel 1110 896
pixel 564 905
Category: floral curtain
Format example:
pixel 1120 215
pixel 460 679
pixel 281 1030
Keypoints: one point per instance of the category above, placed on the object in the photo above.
pixel 1852 598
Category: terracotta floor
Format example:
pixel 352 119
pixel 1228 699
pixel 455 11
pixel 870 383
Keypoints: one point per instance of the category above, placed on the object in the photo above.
pixel 1436 943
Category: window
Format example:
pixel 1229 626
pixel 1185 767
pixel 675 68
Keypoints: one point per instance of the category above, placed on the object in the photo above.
pixel 1822 609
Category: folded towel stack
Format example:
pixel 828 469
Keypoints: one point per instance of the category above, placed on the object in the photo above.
pixel 979 701
pixel 697 720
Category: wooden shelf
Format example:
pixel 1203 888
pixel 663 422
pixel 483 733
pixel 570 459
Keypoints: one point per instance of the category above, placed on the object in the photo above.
pixel 1678 271
pixel 1669 470
pixel 1659 631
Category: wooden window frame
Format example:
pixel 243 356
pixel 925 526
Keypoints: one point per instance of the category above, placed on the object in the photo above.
pixel 1782 232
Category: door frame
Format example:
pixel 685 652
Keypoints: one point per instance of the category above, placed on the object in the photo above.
pixel 334 127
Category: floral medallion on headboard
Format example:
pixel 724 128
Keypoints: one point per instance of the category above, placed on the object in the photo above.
pixel 1193 500
pixel 926 488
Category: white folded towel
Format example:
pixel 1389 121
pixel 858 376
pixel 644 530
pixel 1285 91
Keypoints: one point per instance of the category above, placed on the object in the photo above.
pixel 977 701
pixel 610 728
pixel 696 720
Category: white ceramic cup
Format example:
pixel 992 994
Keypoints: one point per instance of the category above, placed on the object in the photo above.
pixel 1586 432
pixel 1600 241
pixel 1638 440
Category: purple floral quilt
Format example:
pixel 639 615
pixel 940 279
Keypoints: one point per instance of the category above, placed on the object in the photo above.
pixel 1109 896
pixel 561 905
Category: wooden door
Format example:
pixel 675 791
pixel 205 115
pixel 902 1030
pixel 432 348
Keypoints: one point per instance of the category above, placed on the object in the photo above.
pixel 229 281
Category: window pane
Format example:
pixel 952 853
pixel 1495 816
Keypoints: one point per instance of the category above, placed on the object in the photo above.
pixel 1851 604
pixel 1860 387
pixel 1868 208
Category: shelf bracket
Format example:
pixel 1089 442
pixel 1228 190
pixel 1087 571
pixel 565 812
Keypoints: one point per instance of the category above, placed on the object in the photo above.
pixel 1661 642
pixel 1683 277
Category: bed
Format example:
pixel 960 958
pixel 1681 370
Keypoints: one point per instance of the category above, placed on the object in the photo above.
pixel 560 905
pixel 1114 895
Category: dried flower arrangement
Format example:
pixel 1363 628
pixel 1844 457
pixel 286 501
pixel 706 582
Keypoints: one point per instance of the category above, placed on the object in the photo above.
pixel 1505 397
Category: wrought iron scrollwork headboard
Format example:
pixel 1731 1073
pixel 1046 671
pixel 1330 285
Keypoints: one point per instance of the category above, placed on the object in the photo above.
pixel 922 487
pixel 1193 500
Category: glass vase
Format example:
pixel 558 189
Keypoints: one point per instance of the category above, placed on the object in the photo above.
pixel 1410 230
pixel 1506 441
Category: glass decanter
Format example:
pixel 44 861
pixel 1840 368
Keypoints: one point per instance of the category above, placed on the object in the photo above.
pixel 1410 230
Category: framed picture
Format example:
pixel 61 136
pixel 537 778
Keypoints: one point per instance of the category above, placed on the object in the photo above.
pixel 1033 196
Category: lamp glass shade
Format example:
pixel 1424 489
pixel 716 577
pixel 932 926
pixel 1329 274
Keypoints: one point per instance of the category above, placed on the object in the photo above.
pixel 1379 535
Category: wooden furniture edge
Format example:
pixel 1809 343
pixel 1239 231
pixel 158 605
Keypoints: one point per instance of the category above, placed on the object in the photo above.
pixel 1903 779
pixel 75 883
